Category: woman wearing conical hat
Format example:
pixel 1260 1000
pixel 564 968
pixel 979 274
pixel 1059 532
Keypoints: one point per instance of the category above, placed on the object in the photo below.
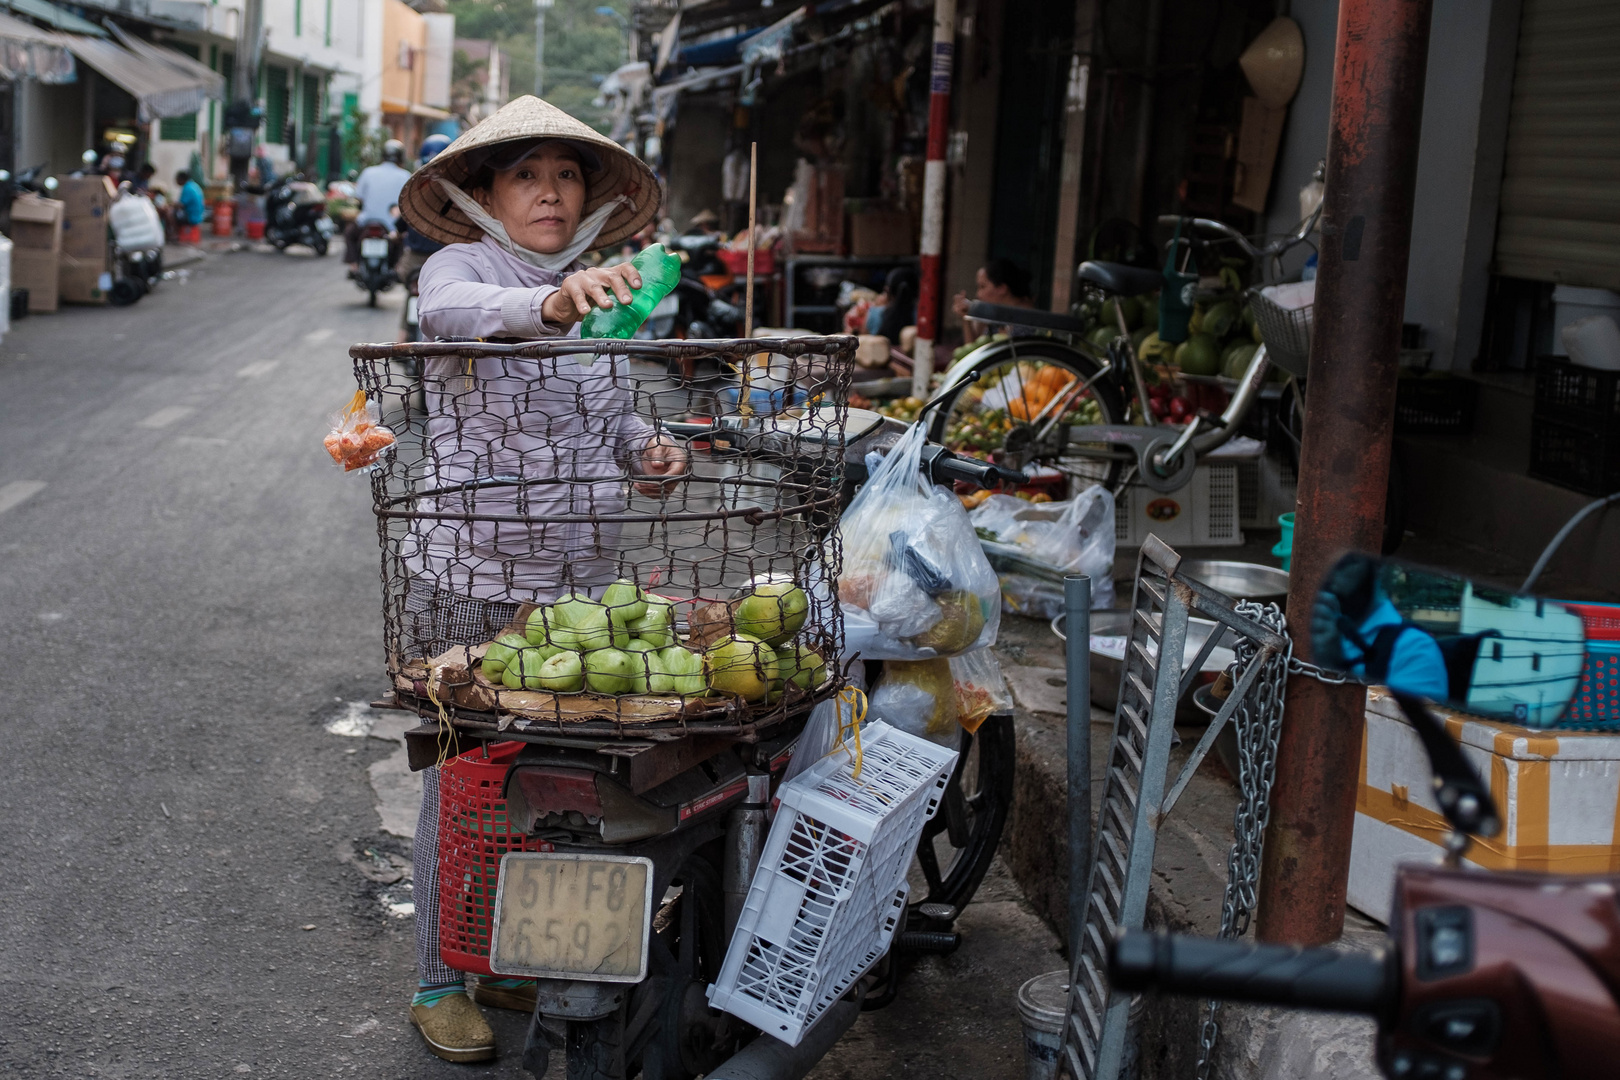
pixel 517 200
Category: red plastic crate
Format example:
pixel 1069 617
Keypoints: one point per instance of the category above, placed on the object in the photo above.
pixel 472 838
pixel 1602 620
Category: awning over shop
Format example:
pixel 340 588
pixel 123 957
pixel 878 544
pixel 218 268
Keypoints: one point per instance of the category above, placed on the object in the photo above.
pixel 160 88
pixel 55 17
pixel 212 82
pixel 30 53
pixel 397 107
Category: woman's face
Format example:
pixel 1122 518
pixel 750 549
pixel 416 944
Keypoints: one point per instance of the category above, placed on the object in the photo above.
pixel 989 291
pixel 540 199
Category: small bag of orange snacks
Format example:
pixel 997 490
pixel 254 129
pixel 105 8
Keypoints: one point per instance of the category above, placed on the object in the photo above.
pixel 356 439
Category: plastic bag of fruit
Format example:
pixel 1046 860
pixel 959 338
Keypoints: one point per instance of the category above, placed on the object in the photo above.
pixel 980 687
pixel 1075 536
pixel 915 583
pixel 357 439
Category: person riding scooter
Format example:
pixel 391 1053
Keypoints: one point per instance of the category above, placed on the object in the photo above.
pixel 516 201
pixel 378 191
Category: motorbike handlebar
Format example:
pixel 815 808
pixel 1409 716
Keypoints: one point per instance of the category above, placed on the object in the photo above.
pixel 1326 979
pixel 945 467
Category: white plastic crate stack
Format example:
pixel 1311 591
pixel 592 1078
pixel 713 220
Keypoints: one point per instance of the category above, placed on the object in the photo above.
pixel 831 886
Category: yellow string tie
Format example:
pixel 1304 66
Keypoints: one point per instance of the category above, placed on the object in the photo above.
pixel 446 737
pixel 856 700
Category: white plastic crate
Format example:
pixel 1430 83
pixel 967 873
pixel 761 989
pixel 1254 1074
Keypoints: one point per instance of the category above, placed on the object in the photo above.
pixel 831 885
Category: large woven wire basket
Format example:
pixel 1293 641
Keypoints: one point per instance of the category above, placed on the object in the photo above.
pixel 523 474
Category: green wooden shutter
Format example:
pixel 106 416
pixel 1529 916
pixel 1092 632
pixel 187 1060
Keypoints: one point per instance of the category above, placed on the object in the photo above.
pixel 311 112
pixel 181 128
pixel 275 104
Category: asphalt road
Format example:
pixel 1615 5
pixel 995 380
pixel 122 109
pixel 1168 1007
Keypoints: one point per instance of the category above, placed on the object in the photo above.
pixel 188 595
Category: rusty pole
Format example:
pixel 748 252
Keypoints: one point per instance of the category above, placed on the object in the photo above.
pixel 1372 160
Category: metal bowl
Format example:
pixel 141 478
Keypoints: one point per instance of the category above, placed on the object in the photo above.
pixel 1240 580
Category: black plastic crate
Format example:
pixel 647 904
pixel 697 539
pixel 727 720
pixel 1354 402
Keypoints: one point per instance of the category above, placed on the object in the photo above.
pixel 1582 456
pixel 1435 405
pixel 1568 390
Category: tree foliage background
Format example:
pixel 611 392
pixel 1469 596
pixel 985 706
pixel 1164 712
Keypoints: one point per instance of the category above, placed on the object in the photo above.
pixel 582 47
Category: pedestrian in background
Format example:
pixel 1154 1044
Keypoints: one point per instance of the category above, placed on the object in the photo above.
pixel 192 208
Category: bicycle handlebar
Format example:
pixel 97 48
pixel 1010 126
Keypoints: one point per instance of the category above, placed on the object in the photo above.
pixel 943 466
pixel 1326 979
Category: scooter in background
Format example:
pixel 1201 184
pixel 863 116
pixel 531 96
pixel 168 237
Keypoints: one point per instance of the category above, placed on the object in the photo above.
pixel 295 213
pixel 137 246
pixel 375 273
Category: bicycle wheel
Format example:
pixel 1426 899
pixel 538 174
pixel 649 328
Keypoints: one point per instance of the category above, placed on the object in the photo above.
pixel 960 840
pixel 1009 395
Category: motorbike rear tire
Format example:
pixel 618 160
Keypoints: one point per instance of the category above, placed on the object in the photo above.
pixel 987 807
pixel 124 292
pixel 371 298
pixel 319 247
pixel 595 1048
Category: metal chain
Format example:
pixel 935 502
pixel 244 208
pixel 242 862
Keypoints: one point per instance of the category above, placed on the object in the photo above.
pixel 1332 678
pixel 1258 722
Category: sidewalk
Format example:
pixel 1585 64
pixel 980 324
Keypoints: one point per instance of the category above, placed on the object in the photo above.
pixel 1189 881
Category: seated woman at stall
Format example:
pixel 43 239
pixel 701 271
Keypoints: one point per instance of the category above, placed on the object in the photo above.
pixel 896 306
pixel 516 200
pixel 999 281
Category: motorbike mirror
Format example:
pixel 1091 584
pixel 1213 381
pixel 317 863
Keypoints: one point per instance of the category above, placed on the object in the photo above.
pixel 51 183
pixel 1442 638
pixel 5 176
pixel 89 157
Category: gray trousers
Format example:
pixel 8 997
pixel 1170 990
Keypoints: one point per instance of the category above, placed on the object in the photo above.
pixel 435 621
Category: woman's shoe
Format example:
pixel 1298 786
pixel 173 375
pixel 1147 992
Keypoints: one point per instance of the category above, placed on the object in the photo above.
pixel 454 1029
pixel 499 993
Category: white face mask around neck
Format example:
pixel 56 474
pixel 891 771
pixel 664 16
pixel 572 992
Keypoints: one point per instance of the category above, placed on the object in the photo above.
pixel 584 237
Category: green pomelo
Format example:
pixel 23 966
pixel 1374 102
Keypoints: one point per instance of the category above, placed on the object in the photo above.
pixel 1199 355
pixel 563 673
pixel 773 612
pixel 611 671
pixel 501 653
pixel 741 666
pixel 678 670
pixel 801 666
pixel 596 629
pixel 624 601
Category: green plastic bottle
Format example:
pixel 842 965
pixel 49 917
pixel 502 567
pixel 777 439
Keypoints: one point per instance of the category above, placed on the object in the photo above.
pixel 660 272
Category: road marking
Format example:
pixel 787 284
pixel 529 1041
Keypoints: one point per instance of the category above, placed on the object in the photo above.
pixel 315 337
pixel 164 417
pixel 17 491
pixel 261 367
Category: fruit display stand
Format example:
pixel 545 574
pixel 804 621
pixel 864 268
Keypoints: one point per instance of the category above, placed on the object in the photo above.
pixel 541 577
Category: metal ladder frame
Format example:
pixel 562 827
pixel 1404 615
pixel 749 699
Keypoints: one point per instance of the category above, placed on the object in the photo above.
pixel 1135 800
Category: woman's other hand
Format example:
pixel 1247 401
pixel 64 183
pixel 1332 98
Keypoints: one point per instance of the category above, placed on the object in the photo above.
pixel 959 303
pixel 583 291
pixel 662 457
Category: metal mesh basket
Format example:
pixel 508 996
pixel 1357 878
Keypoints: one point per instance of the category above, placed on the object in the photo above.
pixel 525 472
pixel 1286 332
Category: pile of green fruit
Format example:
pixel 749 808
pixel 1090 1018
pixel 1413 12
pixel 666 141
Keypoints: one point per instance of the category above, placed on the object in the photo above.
pixel 1222 336
pixel 626 643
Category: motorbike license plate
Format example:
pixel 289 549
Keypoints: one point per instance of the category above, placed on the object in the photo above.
pixel 565 916
pixel 374 247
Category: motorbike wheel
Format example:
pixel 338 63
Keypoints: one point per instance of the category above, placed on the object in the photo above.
pixel 595 1048
pixel 319 247
pixel 959 842
pixel 1017 369
pixel 371 298
pixel 125 291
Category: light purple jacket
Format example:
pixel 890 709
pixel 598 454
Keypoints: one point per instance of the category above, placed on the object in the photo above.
pixel 567 430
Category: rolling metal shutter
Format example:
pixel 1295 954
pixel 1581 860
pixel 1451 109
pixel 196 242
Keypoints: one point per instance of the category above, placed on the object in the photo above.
pixel 1560 209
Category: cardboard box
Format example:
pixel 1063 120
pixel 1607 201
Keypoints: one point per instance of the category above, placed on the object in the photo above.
pixel 36 223
pixel 881 231
pixel 37 272
pixel 1558 793
pixel 86 200
pixel 84 281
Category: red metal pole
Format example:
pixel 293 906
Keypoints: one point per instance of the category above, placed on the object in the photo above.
pixel 933 219
pixel 1344 464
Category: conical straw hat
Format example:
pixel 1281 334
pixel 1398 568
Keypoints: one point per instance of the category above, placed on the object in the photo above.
pixel 1274 62
pixel 432 214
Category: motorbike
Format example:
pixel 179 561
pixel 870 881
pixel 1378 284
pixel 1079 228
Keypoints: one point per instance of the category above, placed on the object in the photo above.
pixel 693 812
pixel 1488 974
pixel 30 181
pixel 707 301
pixel 295 213
pixel 376 272
pixel 137 246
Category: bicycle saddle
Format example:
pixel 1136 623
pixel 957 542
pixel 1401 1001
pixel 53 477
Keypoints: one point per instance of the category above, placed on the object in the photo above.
pixel 1119 278
pixel 1020 316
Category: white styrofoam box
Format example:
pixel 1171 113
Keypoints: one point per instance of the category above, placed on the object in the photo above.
pixel 1558 793
pixel 1571 302
pixel 831 886
pixel 1205 513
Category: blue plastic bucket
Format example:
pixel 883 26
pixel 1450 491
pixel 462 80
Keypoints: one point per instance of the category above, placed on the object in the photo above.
pixel 1285 547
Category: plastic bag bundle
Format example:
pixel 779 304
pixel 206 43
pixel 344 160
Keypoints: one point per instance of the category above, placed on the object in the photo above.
pixel 915 583
pixel 1073 537
pixel 357 439
pixel 918 697
pixel 979 686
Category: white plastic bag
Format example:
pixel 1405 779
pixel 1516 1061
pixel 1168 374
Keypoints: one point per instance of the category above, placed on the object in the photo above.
pixel 915 583
pixel 1075 536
